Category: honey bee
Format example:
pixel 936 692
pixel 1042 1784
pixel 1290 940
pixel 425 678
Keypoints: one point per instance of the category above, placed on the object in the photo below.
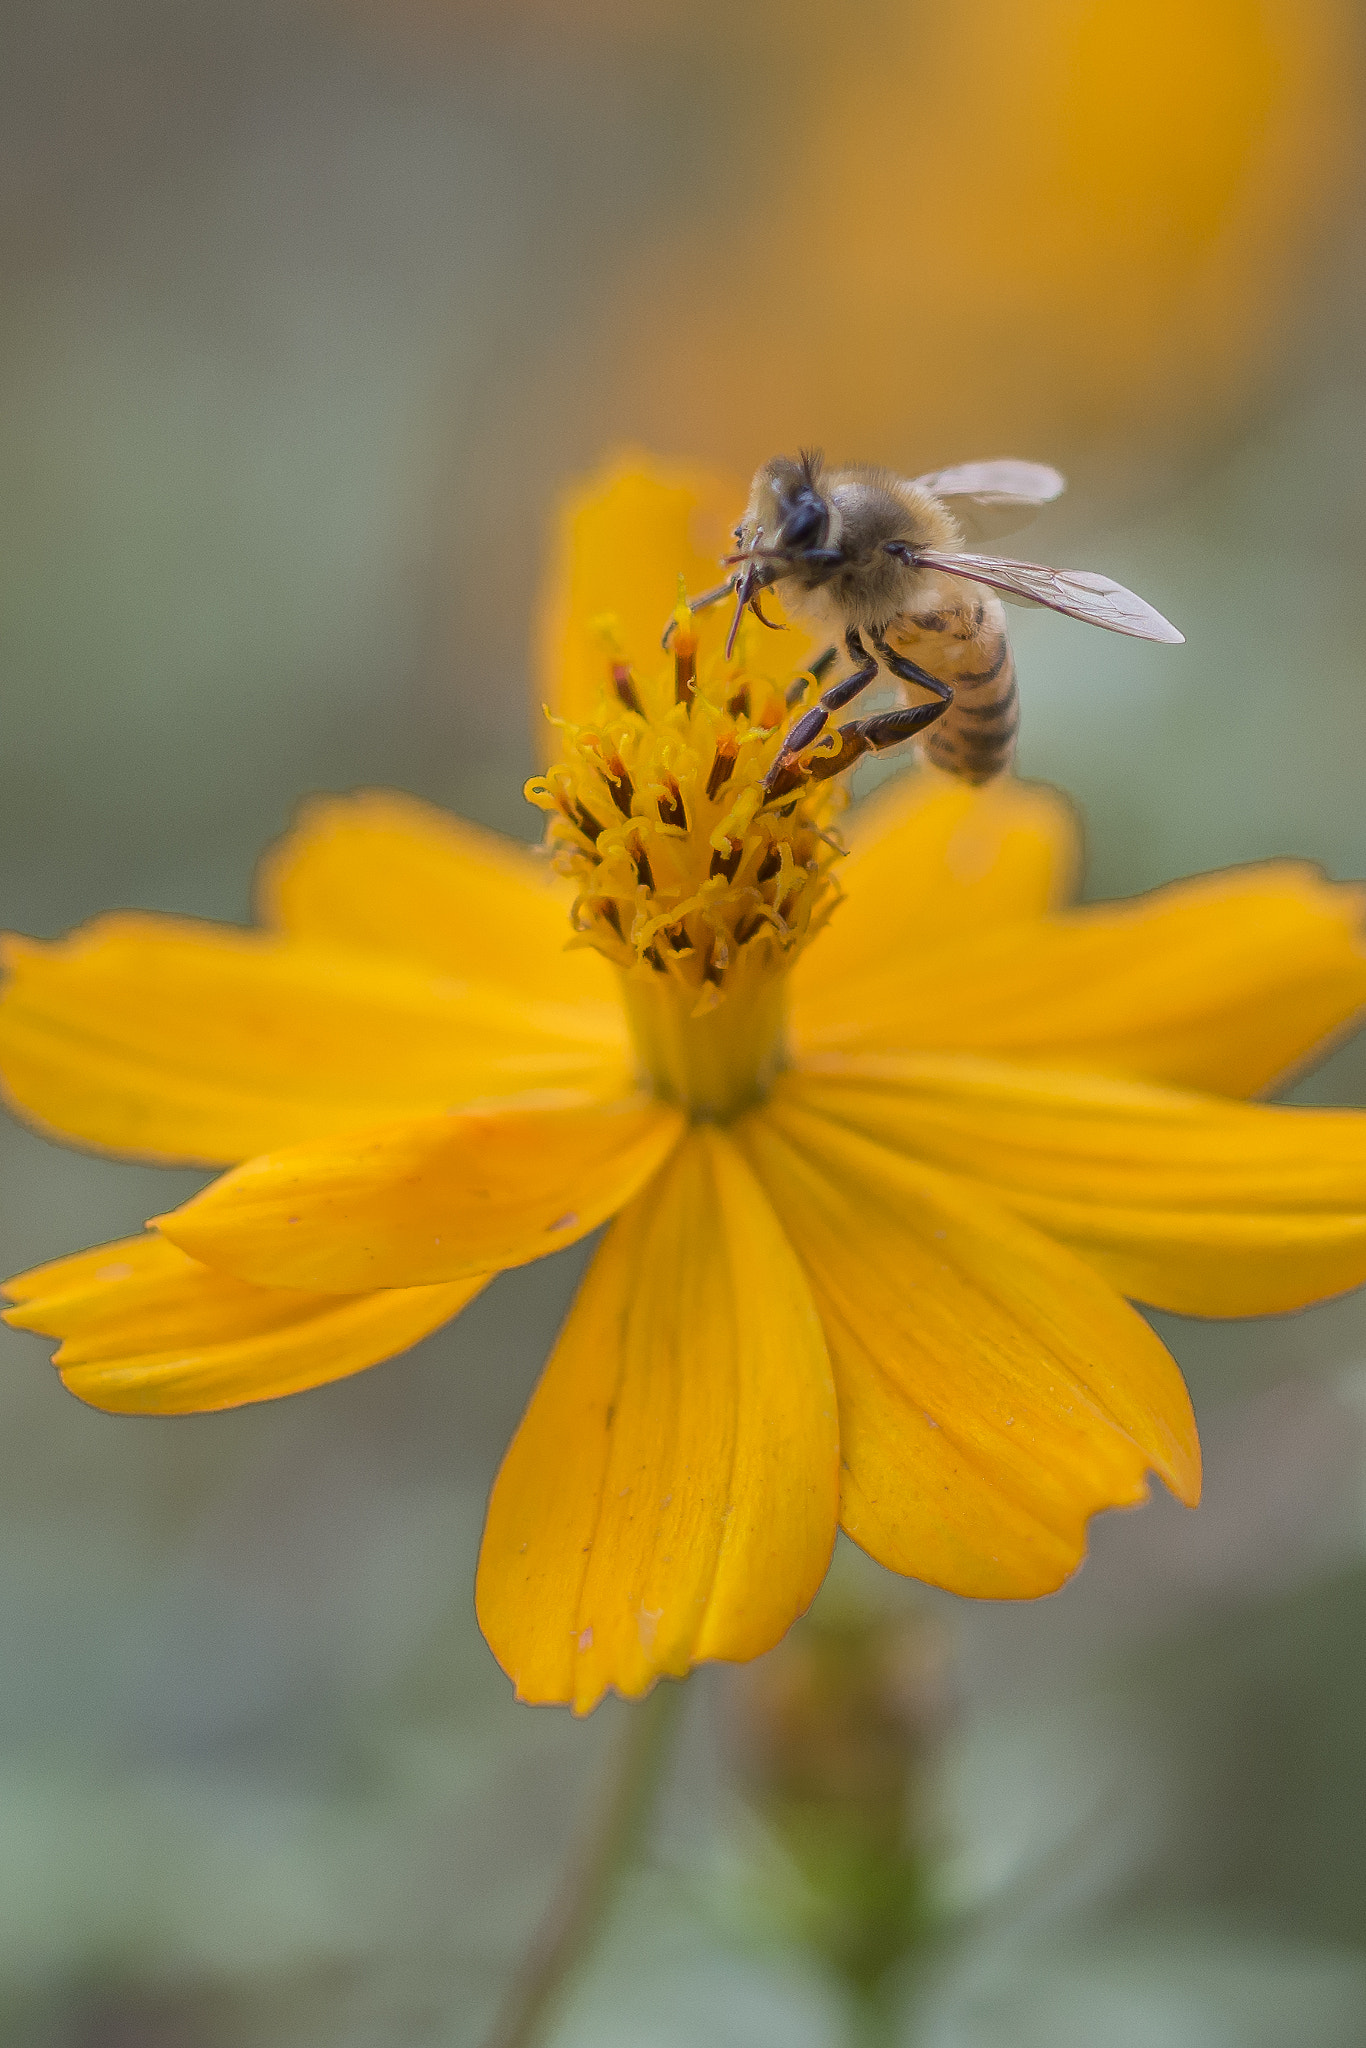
pixel 861 551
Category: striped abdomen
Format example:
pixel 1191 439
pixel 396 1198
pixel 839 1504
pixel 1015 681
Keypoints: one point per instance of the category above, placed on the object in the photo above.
pixel 969 650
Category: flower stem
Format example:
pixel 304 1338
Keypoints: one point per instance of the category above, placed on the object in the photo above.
pixel 590 1884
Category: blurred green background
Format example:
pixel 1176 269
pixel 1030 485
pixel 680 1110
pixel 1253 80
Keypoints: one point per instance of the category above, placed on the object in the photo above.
pixel 309 307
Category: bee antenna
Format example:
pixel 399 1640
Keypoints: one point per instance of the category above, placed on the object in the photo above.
pixel 810 460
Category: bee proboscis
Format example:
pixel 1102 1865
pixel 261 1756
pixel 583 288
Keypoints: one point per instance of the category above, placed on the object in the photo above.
pixel 861 551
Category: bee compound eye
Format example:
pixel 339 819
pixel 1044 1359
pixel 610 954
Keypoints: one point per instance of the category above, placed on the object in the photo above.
pixel 805 521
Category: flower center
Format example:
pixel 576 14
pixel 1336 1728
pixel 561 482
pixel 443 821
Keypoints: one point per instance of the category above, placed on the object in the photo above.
pixel 698 888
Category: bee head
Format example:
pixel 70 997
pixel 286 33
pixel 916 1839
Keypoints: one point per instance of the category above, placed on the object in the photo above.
pixel 788 512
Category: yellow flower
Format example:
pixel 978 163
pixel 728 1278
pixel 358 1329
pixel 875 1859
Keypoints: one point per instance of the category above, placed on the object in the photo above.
pixel 887 1139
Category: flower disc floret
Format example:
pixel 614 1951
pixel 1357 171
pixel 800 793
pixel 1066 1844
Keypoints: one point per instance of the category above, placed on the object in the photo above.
pixel 658 816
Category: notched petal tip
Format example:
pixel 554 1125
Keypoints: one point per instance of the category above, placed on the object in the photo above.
pixel 995 1392
pixel 1184 1201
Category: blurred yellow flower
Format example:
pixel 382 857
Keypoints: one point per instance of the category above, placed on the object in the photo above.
pixel 877 1199
pixel 1026 224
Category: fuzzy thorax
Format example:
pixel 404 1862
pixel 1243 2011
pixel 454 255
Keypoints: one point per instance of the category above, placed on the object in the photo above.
pixel 699 892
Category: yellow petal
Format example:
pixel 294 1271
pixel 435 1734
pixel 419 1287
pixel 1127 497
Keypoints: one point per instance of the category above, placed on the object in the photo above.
pixel 933 860
pixel 412 1203
pixel 146 1331
pixel 623 540
pixel 994 1391
pixel 1226 982
pixel 1189 1202
pixel 183 1041
pixel 383 873
pixel 671 1493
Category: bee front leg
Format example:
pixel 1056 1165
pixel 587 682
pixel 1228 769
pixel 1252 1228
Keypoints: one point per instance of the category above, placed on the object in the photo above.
pixel 699 604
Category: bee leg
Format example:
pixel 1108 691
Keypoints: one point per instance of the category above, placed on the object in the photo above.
pixel 874 735
pixel 699 604
pixel 883 730
pixel 813 722
pixel 908 672
pixel 889 728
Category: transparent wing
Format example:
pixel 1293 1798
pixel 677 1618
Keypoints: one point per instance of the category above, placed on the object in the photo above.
pixel 1080 593
pixel 992 498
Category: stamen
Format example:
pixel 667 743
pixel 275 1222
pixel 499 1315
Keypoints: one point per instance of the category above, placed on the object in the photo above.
pixel 620 784
pixel 625 685
pixel 722 767
pixel 672 811
pixel 683 642
pixel 607 627
pixel 582 818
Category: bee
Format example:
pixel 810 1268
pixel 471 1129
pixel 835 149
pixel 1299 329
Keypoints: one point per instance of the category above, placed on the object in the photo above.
pixel 863 552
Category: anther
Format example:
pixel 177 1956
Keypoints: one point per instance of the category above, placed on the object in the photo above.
pixel 726 863
pixel 645 874
pixel 580 816
pixel 620 784
pixel 608 911
pixel 722 768
pixel 672 809
pixel 738 704
pixel 769 865
pixel 625 684
pixel 718 959
pixel 685 665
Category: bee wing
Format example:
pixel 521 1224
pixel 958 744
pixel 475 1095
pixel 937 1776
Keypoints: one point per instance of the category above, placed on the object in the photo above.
pixel 992 498
pixel 1080 593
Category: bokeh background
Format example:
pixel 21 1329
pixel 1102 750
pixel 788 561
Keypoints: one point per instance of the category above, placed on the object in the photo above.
pixel 308 309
